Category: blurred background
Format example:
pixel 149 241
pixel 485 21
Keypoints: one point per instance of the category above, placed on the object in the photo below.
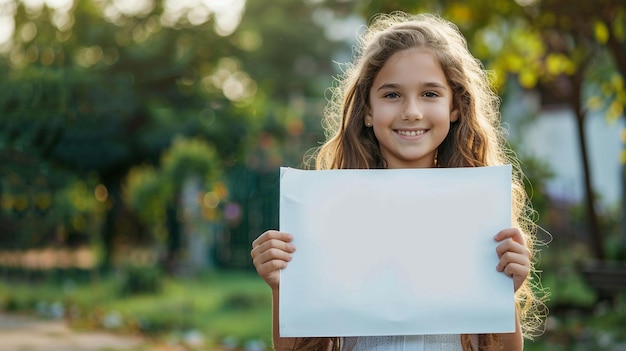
pixel 140 142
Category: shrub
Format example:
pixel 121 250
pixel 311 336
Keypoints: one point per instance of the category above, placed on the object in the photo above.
pixel 140 280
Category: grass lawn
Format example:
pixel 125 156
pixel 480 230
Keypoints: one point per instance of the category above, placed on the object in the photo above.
pixel 222 307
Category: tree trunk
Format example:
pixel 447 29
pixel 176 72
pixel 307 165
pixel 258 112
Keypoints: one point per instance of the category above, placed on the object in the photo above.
pixel 597 240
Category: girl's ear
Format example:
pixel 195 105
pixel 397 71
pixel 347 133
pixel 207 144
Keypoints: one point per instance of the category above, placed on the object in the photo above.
pixel 368 117
pixel 454 115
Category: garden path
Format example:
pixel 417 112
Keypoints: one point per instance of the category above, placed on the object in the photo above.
pixel 20 333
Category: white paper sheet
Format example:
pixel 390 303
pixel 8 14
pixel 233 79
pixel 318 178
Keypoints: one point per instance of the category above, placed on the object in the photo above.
pixel 395 252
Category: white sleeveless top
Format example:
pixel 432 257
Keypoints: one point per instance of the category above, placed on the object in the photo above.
pixel 403 343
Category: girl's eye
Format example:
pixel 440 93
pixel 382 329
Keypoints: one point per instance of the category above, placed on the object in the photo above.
pixel 430 94
pixel 392 95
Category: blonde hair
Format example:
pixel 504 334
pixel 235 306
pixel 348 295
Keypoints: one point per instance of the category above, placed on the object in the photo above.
pixel 475 140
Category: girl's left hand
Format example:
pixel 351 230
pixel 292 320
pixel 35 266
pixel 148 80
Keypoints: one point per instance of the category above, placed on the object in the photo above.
pixel 514 255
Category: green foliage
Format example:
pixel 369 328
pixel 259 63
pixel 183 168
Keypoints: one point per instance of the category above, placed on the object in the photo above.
pixel 584 329
pixel 615 242
pixel 146 191
pixel 149 190
pixel 95 94
pixel 606 92
pixel 190 157
pixel 140 280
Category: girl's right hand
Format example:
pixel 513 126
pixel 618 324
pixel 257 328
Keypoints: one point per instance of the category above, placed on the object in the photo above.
pixel 271 252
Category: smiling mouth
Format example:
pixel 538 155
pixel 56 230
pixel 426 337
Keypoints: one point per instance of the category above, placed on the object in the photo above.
pixel 411 132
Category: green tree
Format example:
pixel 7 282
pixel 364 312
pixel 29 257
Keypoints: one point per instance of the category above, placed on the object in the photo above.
pixel 93 89
pixel 96 89
pixel 156 194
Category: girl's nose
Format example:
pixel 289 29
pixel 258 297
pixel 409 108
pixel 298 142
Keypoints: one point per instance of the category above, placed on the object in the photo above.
pixel 412 110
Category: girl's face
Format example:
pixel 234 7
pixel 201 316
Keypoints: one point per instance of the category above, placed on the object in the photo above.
pixel 410 109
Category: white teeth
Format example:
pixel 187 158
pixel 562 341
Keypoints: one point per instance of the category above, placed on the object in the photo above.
pixel 411 132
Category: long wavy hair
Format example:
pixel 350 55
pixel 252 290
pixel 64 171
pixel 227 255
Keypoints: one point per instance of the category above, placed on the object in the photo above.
pixel 475 140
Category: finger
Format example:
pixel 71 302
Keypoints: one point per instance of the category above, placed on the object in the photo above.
pixel 272 254
pixel 516 270
pixel 512 246
pixel 511 233
pixel 269 263
pixel 270 235
pixel 509 258
pixel 269 267
pixel 272 244
pixel 268 239
pixel 519 274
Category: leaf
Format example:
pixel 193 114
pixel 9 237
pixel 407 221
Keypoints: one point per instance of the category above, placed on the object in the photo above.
pixel 601 32
pixel 617 81
pixel 615 110
pixel 527 78
pixel 557 63
pixel 595 102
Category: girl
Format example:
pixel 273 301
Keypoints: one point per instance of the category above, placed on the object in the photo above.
pixel 415 97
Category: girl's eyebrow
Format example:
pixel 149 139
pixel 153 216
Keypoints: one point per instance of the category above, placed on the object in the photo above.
pixel 434 85
pixel 388 86
pixel 425 84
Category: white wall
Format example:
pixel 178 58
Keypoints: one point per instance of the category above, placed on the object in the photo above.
pixel 553 137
